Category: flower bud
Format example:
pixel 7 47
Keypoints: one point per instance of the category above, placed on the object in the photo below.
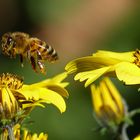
pixel 108 103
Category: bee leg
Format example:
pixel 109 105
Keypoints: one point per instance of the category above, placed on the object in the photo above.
pixel 41 67
pixel 40 64
pixel 32 60
pixel 28 54
pixel 33 63
pixel 21 59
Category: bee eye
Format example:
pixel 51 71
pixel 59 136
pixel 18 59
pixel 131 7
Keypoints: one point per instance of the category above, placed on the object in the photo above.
pixel 9 40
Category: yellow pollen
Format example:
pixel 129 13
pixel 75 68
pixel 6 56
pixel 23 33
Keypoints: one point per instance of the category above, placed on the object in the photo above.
pixel 137 57
pixel 11 81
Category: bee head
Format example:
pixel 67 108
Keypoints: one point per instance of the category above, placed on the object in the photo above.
pixel 8 44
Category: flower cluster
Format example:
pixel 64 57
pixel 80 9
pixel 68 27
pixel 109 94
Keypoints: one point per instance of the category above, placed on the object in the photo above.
pixel 109 107
pixel 18 134
pixel 17 100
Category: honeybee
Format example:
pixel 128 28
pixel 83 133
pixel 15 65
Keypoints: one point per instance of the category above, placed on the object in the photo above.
pixel 32 48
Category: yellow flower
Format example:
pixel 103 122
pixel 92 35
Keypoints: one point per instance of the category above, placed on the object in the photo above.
pixel 29 136
pixel 125 66
pixel 22 134
pixel 50 91
pixel 137 138
pixel 26 135
pixel 107 103
pixel 8 103
pixel 17 100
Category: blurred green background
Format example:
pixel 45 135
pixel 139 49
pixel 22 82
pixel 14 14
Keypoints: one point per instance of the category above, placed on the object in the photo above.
pixel 74 28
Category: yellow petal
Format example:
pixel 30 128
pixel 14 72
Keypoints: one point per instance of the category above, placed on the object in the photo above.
pixel 59 78
pixel 91 76
pixel 60 90
pixel 128 73
pixel 34 137
pixel 13 100
pixel 96 99
pixel 6 99
pixel 123 56
pixel 52 97
pixel 89 63
pixel 28 92
pixel 55 80
pixel 25 134
pixel 115 95
pixel 49 96
pixel 54 84
pixel 43 136
pixel 107 98
pixel 83 64
pixel 137 138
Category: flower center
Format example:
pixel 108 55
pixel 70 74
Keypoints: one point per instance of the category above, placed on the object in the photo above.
pixel 11 80
pixel 137 57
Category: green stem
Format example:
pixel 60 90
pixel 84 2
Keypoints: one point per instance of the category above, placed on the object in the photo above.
pixel 134 112
pixel 124 135
pixel 10 132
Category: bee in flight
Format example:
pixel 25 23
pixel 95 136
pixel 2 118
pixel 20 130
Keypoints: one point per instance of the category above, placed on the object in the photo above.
pixel 34 49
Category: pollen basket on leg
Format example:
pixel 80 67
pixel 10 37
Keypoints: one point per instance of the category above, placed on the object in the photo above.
pixel 137 57
pixel 11 81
